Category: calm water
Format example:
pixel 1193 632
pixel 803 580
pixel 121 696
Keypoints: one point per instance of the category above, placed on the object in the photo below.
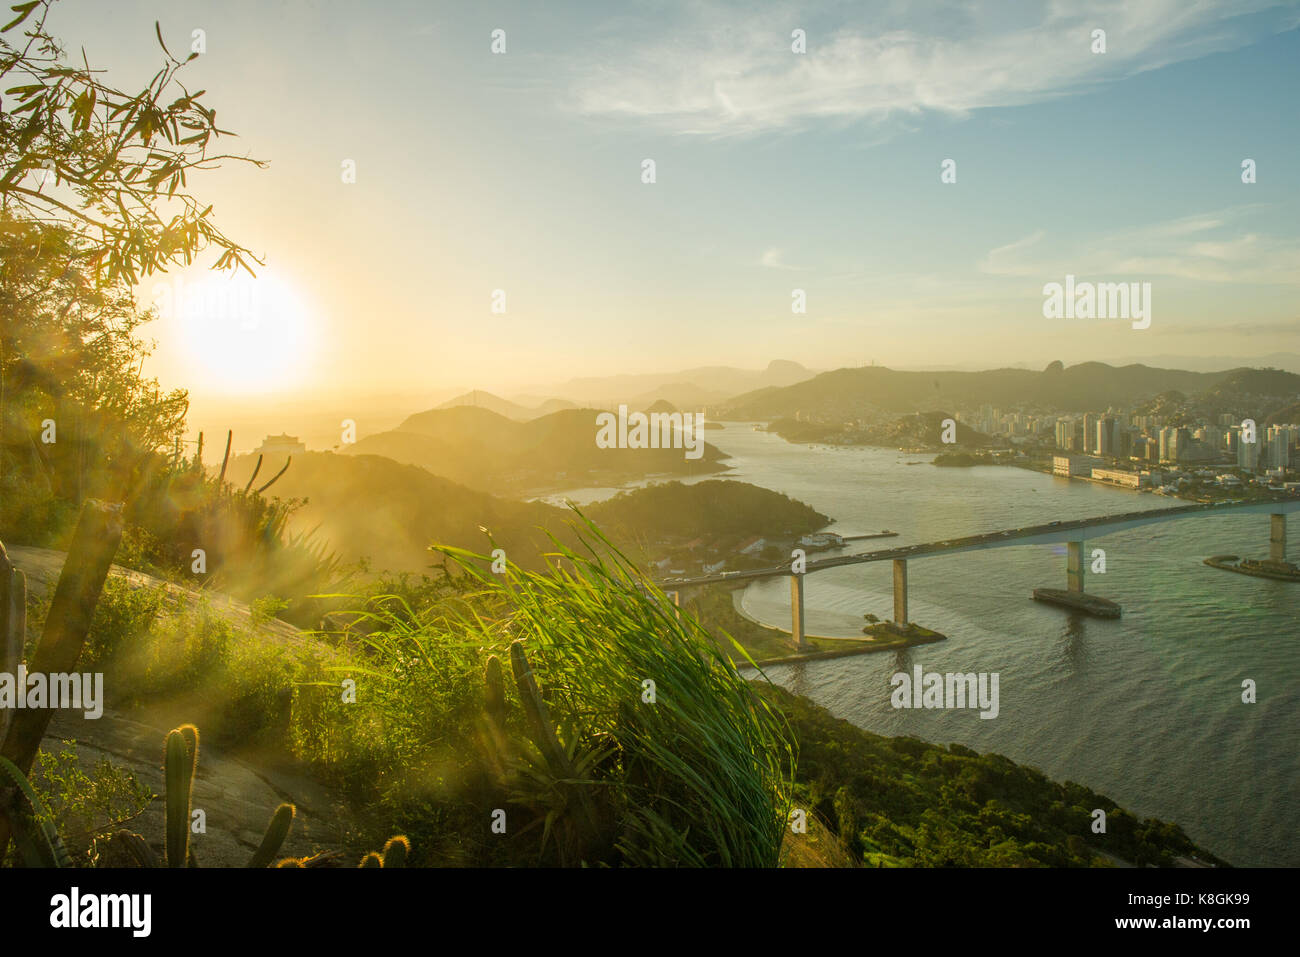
pixel 1146 709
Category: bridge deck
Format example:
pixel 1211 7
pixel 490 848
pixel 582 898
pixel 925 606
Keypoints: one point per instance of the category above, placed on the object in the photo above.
pixel 1051 533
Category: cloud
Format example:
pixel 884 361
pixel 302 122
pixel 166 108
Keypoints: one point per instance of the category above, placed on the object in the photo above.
pixel 1204 247
pixel 725 69
pixel 772 259
pixel 1005 260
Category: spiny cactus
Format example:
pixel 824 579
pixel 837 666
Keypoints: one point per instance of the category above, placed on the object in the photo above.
pixel 396 851
pixel 395 854
pixel 180 761
pixel 94 543
pixel 38 840
pixel 275 836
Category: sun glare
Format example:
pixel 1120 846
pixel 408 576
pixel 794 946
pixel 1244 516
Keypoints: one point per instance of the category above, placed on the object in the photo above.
pixel 239 334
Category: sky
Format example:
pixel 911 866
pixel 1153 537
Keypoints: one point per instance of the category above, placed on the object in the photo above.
pixel 522 171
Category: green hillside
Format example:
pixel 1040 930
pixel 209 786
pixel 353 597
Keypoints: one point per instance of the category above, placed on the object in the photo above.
pixel 706 508
pixel 478 447
pixel 368 506
pixel 902 802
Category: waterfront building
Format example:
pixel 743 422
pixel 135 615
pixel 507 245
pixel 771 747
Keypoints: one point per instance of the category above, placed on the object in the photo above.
pixel 1118 477
pixel 1074 464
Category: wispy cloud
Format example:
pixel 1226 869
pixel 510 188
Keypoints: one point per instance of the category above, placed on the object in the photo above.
pixel 1205 247
pixel 773 259
pixel 727 69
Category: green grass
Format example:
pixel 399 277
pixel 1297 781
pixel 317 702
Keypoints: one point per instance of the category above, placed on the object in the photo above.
pixel 693 778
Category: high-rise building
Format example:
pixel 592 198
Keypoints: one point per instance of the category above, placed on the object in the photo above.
pixel 1090 420
pixel 1276 452
pixel 1248 455
pixel 1108 436
pixel 1167 444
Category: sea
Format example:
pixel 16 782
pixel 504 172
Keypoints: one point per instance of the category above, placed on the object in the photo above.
pixel 1147 709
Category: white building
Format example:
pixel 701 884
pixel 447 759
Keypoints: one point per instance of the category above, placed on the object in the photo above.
pixel 1074 464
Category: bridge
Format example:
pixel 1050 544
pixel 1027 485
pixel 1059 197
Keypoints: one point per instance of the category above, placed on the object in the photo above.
pixel 1073 533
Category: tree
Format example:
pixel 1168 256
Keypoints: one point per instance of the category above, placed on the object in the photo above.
pixel 69 356
pixel 107 166
pixel 92 197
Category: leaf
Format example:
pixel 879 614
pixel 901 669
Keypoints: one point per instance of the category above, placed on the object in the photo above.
pixel 158 30
pixel 23 10
pixel 51 851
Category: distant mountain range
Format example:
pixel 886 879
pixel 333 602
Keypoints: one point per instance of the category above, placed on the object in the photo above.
pixel 484 449
pixel 690 389
pixel 511 410
pixel 849 393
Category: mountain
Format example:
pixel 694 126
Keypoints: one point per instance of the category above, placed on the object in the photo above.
pixel 917 430
pixel 686 389
pixel 705 508
pixel 368 506
pixel 389 513
pixel 1287 361
pixel 483 449
pixel 876 390
pixel 511 410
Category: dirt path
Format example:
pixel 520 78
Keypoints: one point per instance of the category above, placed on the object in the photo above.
pixel 237 797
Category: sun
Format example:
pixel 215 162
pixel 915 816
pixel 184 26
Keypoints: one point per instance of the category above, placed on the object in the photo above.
pixel 239 334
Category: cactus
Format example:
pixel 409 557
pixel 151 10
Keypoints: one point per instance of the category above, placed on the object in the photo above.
pixel 94 543
pixel 396 851
pixel 128 849
pixel 372 860
pixel 39 842
pixel 275 836
pixel 539 718
pixel 179 764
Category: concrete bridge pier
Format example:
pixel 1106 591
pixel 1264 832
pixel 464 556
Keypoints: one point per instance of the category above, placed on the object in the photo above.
pixel 900 592
pixel 1073 596
pixel 1277 537
pixel 1075 565
pixel 796 613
